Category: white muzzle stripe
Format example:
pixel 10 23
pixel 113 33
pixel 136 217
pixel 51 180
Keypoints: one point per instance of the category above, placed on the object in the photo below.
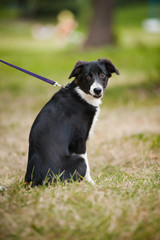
pixel 95 85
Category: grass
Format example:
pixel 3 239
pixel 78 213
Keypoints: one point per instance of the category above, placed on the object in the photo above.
pixel 123 152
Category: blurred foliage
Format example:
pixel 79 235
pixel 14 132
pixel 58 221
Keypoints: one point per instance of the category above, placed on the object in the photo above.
pixel 40 8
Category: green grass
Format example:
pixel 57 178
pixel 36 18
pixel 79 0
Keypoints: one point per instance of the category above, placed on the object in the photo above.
pixel 152 139
pixel 138 82
pixel 121 206
pixel 124 152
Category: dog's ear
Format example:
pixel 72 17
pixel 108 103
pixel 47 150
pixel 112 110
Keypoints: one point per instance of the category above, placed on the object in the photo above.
pixel 77 68
pixel 109 66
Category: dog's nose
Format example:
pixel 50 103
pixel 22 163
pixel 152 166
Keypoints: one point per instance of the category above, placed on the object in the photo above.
pixel 97 91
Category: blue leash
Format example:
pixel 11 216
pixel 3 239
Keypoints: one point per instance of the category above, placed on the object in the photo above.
pixel 54 83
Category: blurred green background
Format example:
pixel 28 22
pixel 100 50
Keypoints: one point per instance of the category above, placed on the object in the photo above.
pixel 29 38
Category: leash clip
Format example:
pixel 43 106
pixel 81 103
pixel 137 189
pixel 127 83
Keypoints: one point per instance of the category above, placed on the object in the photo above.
pixel 57 84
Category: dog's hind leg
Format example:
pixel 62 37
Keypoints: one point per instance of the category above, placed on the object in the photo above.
pixel 34 174
pixel 80 149
pixel 75 168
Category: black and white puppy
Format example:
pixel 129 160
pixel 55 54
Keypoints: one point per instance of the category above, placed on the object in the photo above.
pixel 57 142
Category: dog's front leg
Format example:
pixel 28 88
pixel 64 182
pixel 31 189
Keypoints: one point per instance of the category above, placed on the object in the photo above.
pixel 87 176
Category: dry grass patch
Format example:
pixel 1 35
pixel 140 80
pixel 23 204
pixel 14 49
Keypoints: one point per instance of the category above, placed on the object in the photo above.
pixel 124 158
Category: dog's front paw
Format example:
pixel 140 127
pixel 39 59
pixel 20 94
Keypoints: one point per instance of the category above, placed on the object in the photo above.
pixel 91 181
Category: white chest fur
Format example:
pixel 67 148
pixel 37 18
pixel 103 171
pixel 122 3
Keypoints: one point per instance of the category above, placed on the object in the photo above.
pixel 92 101
pixel 94 121
pixel 88 98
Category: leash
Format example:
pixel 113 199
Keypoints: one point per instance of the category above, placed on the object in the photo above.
pixel 54 83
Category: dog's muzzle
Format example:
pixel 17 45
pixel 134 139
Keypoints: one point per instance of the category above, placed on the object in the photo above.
pixel 96 90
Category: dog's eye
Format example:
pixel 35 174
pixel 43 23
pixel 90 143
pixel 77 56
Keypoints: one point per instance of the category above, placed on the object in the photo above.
pixel 102 75
pixel 88 78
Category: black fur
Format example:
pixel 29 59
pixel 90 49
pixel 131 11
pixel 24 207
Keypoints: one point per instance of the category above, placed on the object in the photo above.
pixel 60 131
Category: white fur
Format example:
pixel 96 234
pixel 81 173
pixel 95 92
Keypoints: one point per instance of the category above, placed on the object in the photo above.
pixel 92 101
pixel 2 188
pixel 95 119
pixel 87 176
pixel 88 98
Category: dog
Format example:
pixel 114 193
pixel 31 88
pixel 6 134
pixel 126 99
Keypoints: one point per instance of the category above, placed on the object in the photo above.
pixel 57 141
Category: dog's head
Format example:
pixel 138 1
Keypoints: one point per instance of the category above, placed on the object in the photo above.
pixel 92 77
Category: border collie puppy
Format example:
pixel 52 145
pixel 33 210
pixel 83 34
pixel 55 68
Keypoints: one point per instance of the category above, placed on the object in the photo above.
pixel 57 142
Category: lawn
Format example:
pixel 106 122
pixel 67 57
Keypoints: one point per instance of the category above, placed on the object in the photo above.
pixel 123 152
